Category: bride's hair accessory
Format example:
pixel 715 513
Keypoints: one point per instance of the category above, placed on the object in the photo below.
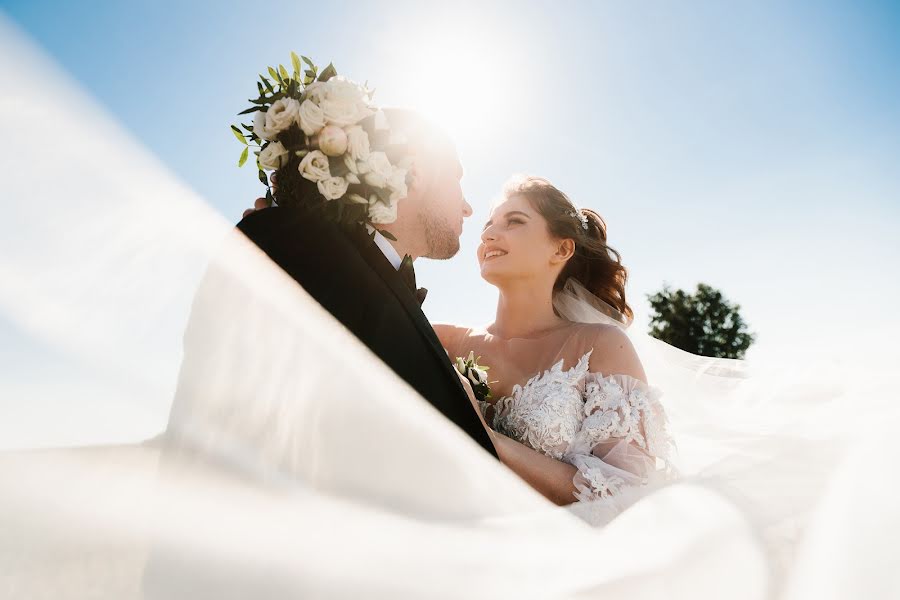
pixel 331 147
pixel 577 214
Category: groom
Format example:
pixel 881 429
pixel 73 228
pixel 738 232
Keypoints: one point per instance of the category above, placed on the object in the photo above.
pixel 369 284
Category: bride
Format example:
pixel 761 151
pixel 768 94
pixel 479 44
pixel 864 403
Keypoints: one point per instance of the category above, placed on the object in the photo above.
pixel 573 413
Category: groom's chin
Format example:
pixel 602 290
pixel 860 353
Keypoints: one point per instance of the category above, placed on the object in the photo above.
pixel 448 248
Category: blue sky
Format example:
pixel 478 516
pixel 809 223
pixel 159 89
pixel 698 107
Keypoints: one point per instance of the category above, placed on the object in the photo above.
pixel 749 145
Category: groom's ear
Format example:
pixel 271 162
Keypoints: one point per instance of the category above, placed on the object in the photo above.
pixel 565 250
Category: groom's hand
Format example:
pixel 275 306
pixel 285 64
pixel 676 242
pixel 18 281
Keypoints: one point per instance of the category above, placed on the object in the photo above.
pixel 261 203
pixel 258 204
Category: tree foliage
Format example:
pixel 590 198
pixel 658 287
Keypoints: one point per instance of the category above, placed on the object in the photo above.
pixel 703 323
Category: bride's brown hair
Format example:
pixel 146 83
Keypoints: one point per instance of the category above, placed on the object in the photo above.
pixel 595 265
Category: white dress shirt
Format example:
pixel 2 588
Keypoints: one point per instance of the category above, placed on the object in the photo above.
pixel 386 248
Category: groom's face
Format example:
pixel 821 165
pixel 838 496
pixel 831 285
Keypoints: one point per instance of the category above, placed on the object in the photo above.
pixel 443 208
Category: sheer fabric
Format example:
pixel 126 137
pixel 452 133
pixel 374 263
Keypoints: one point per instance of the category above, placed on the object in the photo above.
pixel 314 471
pixel 612 427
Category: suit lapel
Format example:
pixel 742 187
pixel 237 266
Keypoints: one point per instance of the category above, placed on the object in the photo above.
pixel 380 264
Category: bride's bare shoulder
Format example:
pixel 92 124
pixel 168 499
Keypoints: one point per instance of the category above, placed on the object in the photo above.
pixel 613 353
pixel 449 334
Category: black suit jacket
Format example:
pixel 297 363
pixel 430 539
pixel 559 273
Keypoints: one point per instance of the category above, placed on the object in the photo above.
pixel 351 278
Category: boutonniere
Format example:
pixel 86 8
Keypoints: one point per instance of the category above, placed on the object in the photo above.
pixel 476 374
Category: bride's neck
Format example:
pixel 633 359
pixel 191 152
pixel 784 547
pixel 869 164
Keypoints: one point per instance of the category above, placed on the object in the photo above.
pixel 523 310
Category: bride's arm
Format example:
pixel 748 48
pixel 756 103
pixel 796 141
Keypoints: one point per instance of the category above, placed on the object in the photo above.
pixel 552 478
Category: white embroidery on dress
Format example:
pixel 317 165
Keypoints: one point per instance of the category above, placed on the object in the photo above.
pixel 567 414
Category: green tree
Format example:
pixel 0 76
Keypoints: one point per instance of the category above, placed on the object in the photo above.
pixel 703 323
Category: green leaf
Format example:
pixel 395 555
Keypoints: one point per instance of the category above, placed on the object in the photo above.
pixel 387 234
pixel 283 72
pixel 310 63
pixel 267 84
pixel 295 62
pixel 250 110
pixel 328 73
pixel 244 156
pixel 274 74
pixel 262 178
pixel 238 135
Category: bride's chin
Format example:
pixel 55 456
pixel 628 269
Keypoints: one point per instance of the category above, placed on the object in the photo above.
pixel 490 276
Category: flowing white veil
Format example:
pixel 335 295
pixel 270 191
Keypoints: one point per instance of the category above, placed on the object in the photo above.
pixel 303 466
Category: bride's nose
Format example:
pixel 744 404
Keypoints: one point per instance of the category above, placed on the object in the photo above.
pixel 488 234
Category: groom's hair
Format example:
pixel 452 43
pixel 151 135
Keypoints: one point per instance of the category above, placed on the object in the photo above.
pixel 423 137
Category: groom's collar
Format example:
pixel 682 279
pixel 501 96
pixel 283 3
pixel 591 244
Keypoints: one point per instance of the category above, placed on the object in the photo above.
pixel 386 248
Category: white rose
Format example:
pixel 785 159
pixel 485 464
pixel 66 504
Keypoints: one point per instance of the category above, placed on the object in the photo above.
pixel 375 179
pixel 378 163
pixel 332 140
pixel 281 115
pixel 357 143
pixel 312 119
pixel 397 183
pixel 274 156
pixel 481 375
pixel 344 102
pixel 333 187
pixel 357 199
pixel 315 92
pixel 381 213
pixel 341 89
pixel 351 164
pixel 259 127
pixel 314 166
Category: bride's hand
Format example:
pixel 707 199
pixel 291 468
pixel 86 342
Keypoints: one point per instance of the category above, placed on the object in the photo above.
pixel 261 203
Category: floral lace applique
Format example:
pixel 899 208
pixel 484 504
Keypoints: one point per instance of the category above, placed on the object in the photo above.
pixel 566 414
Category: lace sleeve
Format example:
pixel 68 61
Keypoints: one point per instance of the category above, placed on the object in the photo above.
pixel 622 441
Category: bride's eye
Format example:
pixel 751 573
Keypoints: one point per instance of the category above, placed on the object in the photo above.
pixel 514 222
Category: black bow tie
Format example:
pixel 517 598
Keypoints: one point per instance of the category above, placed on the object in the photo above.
pixel 408 275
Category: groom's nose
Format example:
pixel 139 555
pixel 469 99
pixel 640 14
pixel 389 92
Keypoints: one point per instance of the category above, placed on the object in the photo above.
pixel 467 209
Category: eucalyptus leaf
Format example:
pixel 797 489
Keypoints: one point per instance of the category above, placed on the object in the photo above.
pixel 244 156
pixel 309 62
pixel 328 73
pixel 283 72
pixel 295 62
pixel 240 136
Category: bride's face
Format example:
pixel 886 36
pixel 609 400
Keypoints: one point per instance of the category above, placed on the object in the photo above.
pixel 516 244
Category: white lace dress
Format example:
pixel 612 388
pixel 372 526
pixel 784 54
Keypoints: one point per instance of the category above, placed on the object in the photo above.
pixel 611 428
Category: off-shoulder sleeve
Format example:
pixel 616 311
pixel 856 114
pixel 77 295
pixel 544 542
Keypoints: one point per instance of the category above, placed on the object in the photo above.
pixel 622 441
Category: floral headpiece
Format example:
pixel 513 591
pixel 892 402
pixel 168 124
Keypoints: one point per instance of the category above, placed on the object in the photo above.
pixel 331 147
pixel 577 214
